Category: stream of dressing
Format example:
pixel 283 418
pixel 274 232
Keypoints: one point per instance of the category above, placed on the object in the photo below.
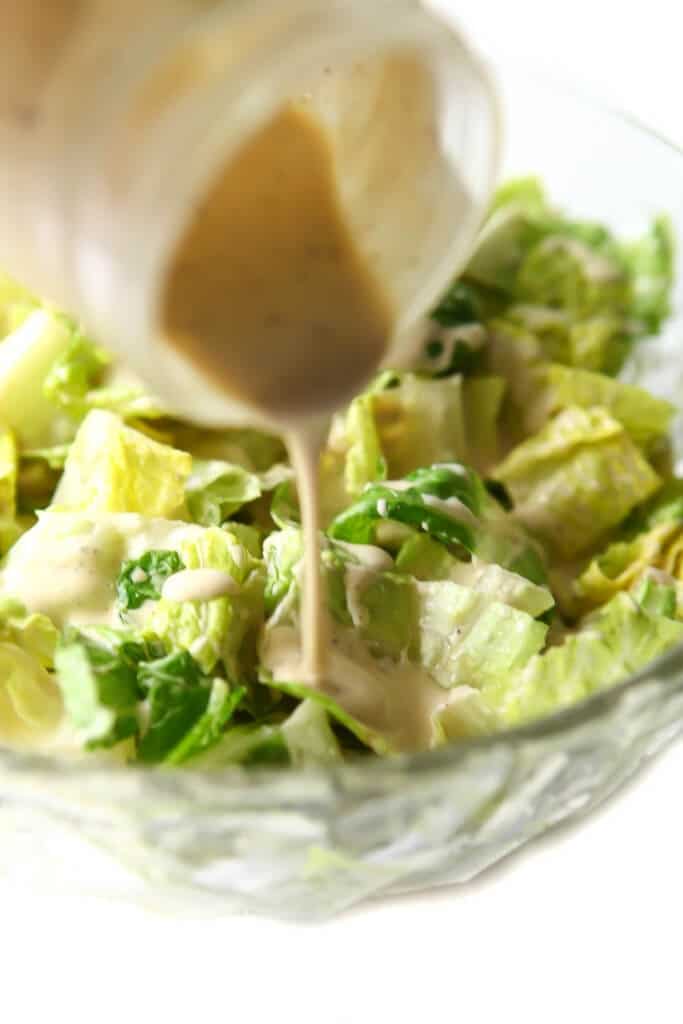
pixel 304 447
pixel 269 294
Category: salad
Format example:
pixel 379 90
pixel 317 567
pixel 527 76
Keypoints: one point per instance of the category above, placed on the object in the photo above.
pixel 504 529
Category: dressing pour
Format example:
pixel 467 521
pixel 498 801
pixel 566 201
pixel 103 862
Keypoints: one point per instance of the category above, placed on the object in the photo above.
pixel 269 295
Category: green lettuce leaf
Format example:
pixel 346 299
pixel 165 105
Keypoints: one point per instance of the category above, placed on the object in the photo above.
pixel 651 263
pixel 177 695
pixel 385 676
pixel 73 372
pixel 142 579
pixel 443 501
pixel 10 528
pixel 450 504
pixel 566 273
pixel 463 714
pixel 26 357
pixel 559 478
pixel 215 490
pixel 614 292
pixel 644 416
pixel 420 422
pixel 112 468
pixel 251 743
pixel 282 552
pixel 516 223
pixel 619 640
pixel 658 595
pixel 369 737
pixel 600 343
pixel 30 704
pixel 33 633
pixel 77 383
pixel 309 736
pixel 482 407
pixel 206 732
pixel 468 638
pixel 665 507
pixel 623 563
pixel 365 462
pixel 428 560
pixel 97 675
pixel 215 630
pixel 116 688
pixel 459 306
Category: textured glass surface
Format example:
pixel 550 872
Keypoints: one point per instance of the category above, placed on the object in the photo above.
pixel 307 844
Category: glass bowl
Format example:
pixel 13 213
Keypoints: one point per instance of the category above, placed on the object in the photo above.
pixel 306 844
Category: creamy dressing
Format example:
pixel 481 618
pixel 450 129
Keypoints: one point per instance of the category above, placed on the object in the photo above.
pixel 397 485
pixel 368 561
pixel 452 507
pixel 199 585
pixel 67 569
pixel 268 292
pixel 397 699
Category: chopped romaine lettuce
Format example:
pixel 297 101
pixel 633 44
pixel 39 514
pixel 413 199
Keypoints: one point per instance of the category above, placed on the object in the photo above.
pixel 207 730
pixel 30 705
pixel 464 713
pixel 623 563
pixel 309 736
pixel 26 358
pixel 368 736
pixel 426 560
pixel 558 479
pixel 249 743
pixel 618 641
pixel 644 416
pixel 177 696
pixel 420 422
pixel 82 378
pixel 483 402
pixel 33 633
pixel 459 306
pixel 113 468
pixel 216 490
pixel 467 637
pixel 97 674
pixel 566 273
pixel 213 631
pixel 651 262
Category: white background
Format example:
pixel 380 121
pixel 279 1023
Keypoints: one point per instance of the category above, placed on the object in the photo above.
pixel 584 925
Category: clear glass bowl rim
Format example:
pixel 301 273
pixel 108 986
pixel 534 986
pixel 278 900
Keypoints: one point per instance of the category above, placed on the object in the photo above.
pixel 369 767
